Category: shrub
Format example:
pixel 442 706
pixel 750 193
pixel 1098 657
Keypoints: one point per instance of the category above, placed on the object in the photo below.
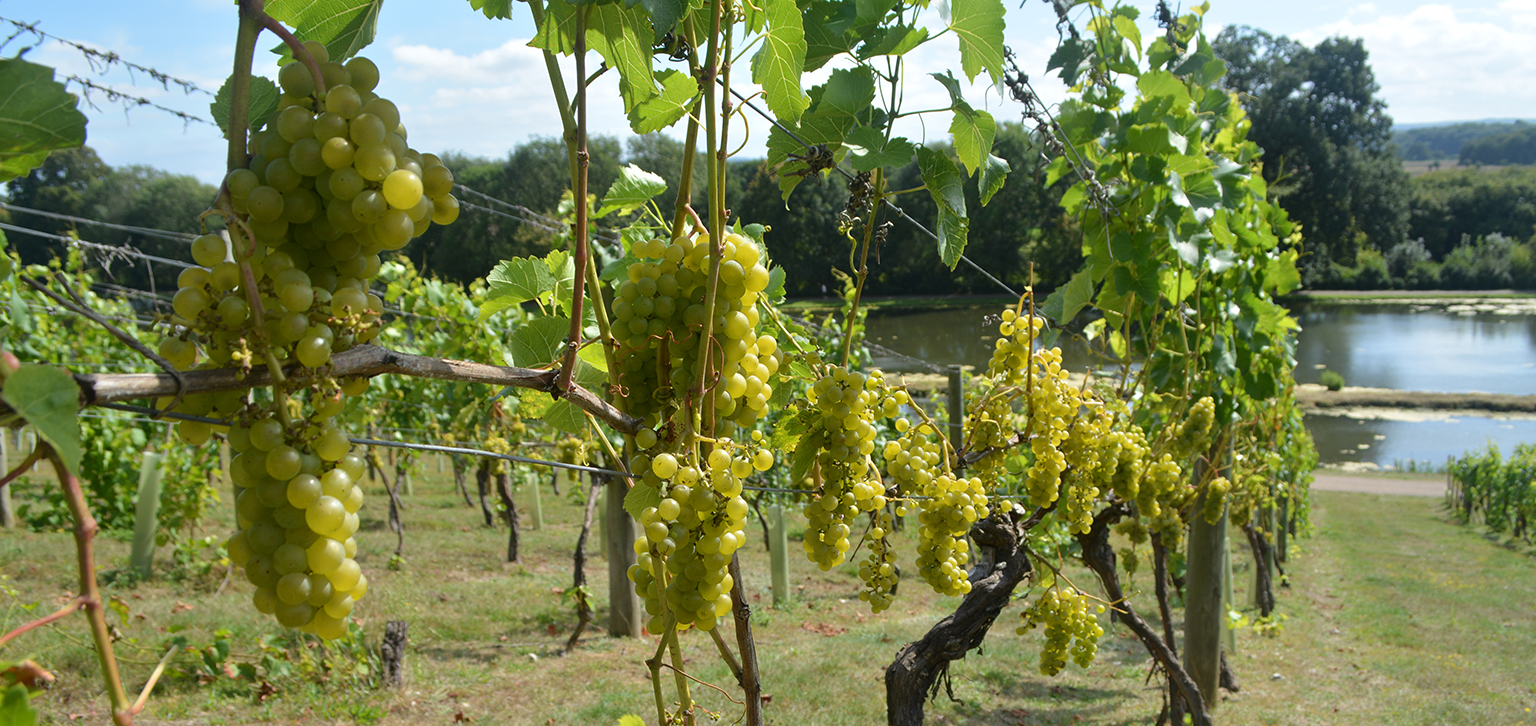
pixel 1331 380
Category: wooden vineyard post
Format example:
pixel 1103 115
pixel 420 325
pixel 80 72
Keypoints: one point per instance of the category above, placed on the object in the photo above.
pixel 1203 615
pixel 536 508
pixel 1229 636
pixel 602 508
pixel 1282 528
pixel 7 513
pixel 146 514
pixel 779 555
pixel 624 609
pixel 955 402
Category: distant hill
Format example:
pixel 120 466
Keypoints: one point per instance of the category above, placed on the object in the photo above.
pixel 1422 142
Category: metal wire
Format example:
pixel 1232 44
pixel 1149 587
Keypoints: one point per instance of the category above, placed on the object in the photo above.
pixel 146 231
pixel 112 250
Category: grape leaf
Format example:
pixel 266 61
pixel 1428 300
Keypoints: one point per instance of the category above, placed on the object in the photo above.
pixel 554 33
pixel 775 291
pixel 563 268
pixel 1075 296
pixel 49 399
pixel 15 707
pixel 943 179
pixel 953 232
pixel 979 26
pixel 678 92
pixel 664 14
pixel 514 282
pixel 641 496
pixel 593 356
pixel 493 9
pixel 868 149
pixel 825 26
pixel 264 95
pixel 622 36
pixel 993 173
pixel 897 41
pixel 778 64
pixel 344 27
pixel 1072 56
pixel 37 116
pixel 633 188
pixel 848 91
pixel 973 130
pixel 564 415
pixel 538 342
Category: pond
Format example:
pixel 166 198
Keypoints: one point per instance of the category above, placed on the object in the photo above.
pixel 1401 346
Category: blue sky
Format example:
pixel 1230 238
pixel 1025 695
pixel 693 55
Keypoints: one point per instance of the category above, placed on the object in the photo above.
pixel 469 84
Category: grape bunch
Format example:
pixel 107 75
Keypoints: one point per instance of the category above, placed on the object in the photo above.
pixel 848 403
pixel 1052 406
pixel 1216 499
pixel 690 534
pixel 659 311
pixel 296 507
pixel 1193 434
pixel 330 186
pixel 1069 626
pixel 953 505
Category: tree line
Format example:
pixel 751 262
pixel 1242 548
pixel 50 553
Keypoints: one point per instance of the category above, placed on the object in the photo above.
pixel 1329 158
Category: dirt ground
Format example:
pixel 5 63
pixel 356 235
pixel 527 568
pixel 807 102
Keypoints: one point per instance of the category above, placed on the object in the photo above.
pixel 1378 485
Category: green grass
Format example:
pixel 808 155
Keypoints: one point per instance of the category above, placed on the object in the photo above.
pixel 1395 616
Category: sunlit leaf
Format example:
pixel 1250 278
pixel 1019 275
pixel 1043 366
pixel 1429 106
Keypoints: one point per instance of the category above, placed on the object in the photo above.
pixel 37 116
pixel 344 27
pixel 49 399
pixel 778 64
pixel 979 26
pixel 633 188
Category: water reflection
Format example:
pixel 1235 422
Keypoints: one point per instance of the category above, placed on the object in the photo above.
pixel 1340 440
pixel 957 336
pixel 1389 346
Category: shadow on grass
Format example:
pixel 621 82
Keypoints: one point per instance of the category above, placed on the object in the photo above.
pixel 1050 703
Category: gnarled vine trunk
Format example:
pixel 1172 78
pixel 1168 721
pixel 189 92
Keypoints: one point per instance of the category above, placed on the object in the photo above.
pixel 483 480
pixel 1002 564
pixel 1100 557
pixel 504 488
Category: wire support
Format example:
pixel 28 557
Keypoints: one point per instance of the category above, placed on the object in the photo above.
pixel 109 251
pixel 94 56
pixel 146 231
pixel 115 96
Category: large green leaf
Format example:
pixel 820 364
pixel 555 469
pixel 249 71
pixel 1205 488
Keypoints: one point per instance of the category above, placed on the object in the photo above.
pixel 868 149
pixel 826 36
pixel 539 341
pixel 493 9
pixel 641 497
pixel 15 708
pixel 979 26
pixel 943 179
pixel 514 282
pixel 778 64
pixel 953 231
pixel 49 399
pixel 564 415
pixel 37 116
pixel 993 173
pixel 973 130
pixel 678 93
pixel 344 27
pixel 848 91
pixel 892 41
pixel 664 14
pixel 633 188
pixel 554 34
pixel 622 36
pixel 264 95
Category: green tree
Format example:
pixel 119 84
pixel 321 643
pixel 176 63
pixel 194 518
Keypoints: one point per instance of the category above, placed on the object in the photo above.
pixel 60 186
pixel 1326 138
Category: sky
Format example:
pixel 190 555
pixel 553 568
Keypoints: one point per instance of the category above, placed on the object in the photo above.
pixel 467 84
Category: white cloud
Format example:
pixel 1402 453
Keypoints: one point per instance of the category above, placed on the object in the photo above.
pixel 1441 63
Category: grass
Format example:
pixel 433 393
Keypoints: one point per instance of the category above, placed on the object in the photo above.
pixel 1395 616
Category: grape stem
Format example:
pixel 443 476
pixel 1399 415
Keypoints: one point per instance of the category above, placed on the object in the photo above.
pixel 90 594
pixel 877 184
pixel 579 231
pixel 74 604
pixel 257 9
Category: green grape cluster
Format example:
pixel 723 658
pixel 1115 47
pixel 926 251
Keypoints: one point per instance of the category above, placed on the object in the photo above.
pixel 1216 499
pixel 659 310
pixel 848 402
pixel 1161 481
pixel 1192 435
pixel 1052 406
pixel 1070 629
pixel 953 504
pixel 297 508
pixel 689 536
pixel 330 186
pixel 878 570
pixel 571 450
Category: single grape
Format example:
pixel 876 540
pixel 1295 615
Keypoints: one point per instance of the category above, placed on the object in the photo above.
pixel 402 189
pixel 365 75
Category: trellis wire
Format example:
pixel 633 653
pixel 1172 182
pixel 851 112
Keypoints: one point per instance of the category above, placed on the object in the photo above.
pixel 380 442
pixel 109 57
pixel 111 251
pixel 114 95
pixel 888 203
pixel 146 231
